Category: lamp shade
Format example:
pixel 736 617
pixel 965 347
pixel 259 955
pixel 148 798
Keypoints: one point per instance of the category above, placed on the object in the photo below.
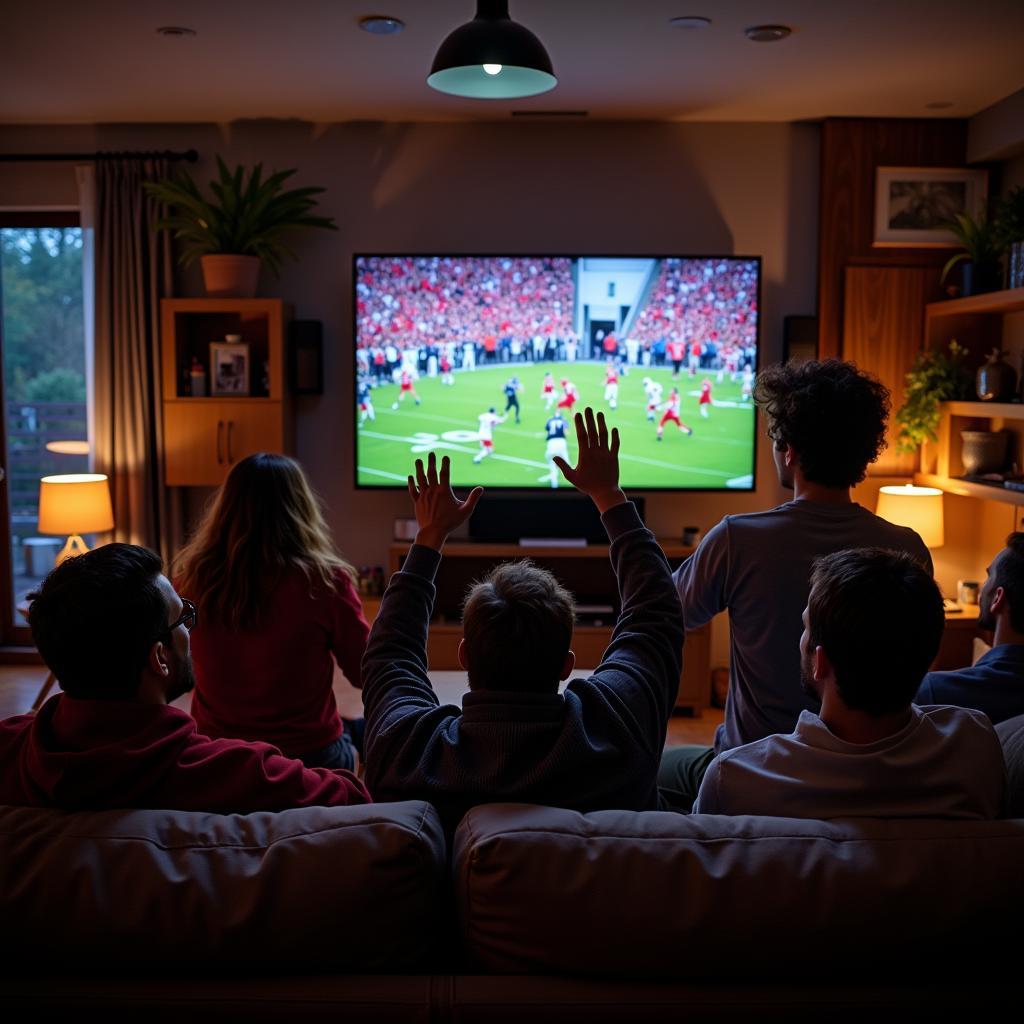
pixel 920 508
pixel 492 58
pixel 75 503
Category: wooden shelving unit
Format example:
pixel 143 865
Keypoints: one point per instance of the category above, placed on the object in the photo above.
pixel 947 474
pixel 977 322
pixel 586 571
pixel 205 436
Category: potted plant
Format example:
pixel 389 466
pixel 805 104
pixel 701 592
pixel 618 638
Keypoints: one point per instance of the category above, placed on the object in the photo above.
pixel 240 228
pixel 1009 218
pixel 935 377
pixel 983 247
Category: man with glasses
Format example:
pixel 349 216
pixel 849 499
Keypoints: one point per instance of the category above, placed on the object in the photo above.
pixel 111 628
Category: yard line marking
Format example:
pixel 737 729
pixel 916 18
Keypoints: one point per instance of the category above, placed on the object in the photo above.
pixel 382 472
pixel 452 446
pixel 674 466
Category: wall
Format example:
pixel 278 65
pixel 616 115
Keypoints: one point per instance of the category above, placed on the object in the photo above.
pixel 602 188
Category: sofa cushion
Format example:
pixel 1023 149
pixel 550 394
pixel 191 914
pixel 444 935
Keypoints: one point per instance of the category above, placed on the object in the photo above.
pixel 347 888
pixel 1011 735
pixel 626 894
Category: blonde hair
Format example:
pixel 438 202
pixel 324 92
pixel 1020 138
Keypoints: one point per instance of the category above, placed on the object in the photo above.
pixel 264 521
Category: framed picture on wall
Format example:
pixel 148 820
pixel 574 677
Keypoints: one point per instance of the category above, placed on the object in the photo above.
pixel 229 368
pixel 913 204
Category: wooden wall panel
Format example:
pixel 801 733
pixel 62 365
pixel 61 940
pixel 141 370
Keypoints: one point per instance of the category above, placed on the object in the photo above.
pixel 883 329
pixel 851 149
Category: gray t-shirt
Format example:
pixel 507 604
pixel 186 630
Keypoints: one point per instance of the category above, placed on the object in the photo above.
pixel 945 762
pixel 758 566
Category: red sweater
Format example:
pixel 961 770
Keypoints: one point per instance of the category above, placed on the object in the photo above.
pixel 101 754
pixel 275 683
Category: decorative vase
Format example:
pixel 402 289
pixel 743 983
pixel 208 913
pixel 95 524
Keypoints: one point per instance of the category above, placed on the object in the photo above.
pixel 983 451
pixel 929 456
pixel 996 380
pixel 228 276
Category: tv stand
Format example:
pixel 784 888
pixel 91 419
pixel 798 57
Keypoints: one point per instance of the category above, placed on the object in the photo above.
pixel 586 571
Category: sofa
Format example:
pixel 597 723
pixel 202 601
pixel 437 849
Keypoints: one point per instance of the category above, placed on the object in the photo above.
pixel 366 913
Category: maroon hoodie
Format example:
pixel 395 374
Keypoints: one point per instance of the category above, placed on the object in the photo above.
pixel 96 754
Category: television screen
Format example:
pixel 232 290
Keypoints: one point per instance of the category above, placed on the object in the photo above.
pixel 487 358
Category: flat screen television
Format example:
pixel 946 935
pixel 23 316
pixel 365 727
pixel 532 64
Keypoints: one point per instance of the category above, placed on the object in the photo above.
pixel 486 358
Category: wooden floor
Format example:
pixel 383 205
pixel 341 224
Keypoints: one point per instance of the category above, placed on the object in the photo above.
pixel 19 685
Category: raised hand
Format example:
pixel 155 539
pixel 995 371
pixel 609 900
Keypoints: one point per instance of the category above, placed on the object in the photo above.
pixel 438 510
pixel 597 467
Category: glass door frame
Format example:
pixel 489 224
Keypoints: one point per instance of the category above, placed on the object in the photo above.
pixel 15 637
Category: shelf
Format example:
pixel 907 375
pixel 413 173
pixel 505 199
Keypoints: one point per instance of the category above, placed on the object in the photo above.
pixel 471 549
pixel 1011 300
pixel 986 410
pixel 969 489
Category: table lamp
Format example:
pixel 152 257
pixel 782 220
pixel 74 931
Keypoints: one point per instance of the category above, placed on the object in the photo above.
pixel 73 504
pixel 920 508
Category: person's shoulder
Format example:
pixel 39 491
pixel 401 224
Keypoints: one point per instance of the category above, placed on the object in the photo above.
pixel 950 718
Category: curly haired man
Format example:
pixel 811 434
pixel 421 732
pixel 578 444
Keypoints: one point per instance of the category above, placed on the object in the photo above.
pixel 826 421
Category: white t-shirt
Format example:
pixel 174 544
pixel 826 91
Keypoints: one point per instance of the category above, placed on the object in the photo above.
pixel 945 763
pixel 758 566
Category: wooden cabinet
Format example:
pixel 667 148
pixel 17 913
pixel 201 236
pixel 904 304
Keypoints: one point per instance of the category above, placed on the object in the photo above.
pixel 205 436
pixel 586 572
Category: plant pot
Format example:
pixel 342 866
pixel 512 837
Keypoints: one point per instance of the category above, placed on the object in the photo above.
pixel 983 451
pixel 1015 266
pixel 978 278
pixel 229 276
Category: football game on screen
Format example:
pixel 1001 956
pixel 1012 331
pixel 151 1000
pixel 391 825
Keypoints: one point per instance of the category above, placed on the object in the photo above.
pixel 487 358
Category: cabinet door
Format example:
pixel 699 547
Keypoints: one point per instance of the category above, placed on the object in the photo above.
pixel 252 428
pixel 203 440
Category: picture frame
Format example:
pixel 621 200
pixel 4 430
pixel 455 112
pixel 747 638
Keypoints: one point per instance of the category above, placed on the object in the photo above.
pixel 913 203
pixel 229 369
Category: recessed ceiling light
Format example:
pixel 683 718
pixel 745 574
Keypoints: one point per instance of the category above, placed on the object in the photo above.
pixel 175 30
pixel 689 21
pixel 939 105
pixel 381 25
pixel 767 33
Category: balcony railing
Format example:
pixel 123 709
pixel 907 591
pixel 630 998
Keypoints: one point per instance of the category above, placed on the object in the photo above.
pixel 30 426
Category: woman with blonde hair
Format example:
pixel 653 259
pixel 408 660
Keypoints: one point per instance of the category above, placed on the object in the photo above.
pixel 277 606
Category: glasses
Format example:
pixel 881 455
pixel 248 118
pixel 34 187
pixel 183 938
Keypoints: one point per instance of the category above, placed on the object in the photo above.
pixel 188 618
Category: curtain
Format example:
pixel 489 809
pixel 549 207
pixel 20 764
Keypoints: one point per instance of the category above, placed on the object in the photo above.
pixel 132 273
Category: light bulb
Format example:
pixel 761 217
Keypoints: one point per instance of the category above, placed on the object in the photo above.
pixel 492 69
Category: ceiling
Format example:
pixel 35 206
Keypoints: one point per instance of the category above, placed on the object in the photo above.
pixel 86 61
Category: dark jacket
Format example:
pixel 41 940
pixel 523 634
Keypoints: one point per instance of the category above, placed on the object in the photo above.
pixel 596 747
pixel 994 685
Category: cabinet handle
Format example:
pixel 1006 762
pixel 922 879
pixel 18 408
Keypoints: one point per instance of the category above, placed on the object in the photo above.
pixel 220 431
pixel 231 426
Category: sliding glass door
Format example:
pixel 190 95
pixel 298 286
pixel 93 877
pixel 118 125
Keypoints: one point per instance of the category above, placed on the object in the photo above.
pixel 45 419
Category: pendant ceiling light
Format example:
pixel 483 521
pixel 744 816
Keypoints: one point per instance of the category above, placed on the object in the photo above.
pixel 492 58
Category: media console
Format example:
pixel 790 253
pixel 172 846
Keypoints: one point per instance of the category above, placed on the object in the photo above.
pixel 586 571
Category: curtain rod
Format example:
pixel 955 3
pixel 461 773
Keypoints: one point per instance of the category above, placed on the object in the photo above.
pixel 190 155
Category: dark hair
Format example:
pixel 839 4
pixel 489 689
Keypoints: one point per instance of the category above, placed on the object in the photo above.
pixel 517 624
pixel 878 616
pixel 832 414
pixel 95 618
pixel 1009 574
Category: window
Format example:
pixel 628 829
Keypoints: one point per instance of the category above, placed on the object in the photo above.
pixel 42 335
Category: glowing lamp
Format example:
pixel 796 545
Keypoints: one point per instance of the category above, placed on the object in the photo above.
pixel 73 504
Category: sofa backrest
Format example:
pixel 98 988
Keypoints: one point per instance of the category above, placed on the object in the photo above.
pixel 344 888
pixel 1011 735
pixel 617 893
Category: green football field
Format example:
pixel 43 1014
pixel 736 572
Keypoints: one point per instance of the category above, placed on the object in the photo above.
pixel 718 454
